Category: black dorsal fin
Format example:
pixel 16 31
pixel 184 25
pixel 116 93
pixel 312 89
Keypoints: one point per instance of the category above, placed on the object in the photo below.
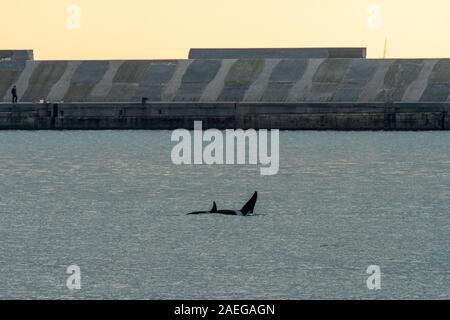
pixel 214 208
pixel 250 205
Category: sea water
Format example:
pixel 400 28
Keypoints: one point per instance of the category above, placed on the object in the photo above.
pixel 114 204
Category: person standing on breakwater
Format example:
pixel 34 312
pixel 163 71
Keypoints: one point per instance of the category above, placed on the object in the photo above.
pixel 14 94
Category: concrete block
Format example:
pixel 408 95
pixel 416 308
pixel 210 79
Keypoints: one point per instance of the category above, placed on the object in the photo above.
pixel 277 53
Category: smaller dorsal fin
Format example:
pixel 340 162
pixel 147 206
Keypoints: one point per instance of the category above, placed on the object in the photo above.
pixel 214 208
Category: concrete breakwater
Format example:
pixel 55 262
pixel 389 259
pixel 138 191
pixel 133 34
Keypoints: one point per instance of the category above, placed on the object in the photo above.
pixel 328 80
pixel 285 88
pixel 224 115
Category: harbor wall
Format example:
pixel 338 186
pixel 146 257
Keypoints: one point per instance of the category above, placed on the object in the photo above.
pixel 228 80
pixel 294 88
pixel 287 116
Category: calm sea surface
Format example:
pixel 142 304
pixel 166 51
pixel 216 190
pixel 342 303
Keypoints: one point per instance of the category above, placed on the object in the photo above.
pixel 113 203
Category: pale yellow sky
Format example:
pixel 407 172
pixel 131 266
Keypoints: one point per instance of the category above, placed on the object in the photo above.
pixel 159 29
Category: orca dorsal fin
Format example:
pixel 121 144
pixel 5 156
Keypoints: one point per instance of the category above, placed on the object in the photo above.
pixel 250 205
pixel 214 208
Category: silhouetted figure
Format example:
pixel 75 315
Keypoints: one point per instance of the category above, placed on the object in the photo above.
pixel 14 94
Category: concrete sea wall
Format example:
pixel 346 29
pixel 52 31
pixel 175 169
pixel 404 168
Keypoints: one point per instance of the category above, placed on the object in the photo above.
pixel 228 80
pixel 289 116
pixel 314 88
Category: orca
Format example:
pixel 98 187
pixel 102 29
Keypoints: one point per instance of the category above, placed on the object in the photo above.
pixel 246 210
